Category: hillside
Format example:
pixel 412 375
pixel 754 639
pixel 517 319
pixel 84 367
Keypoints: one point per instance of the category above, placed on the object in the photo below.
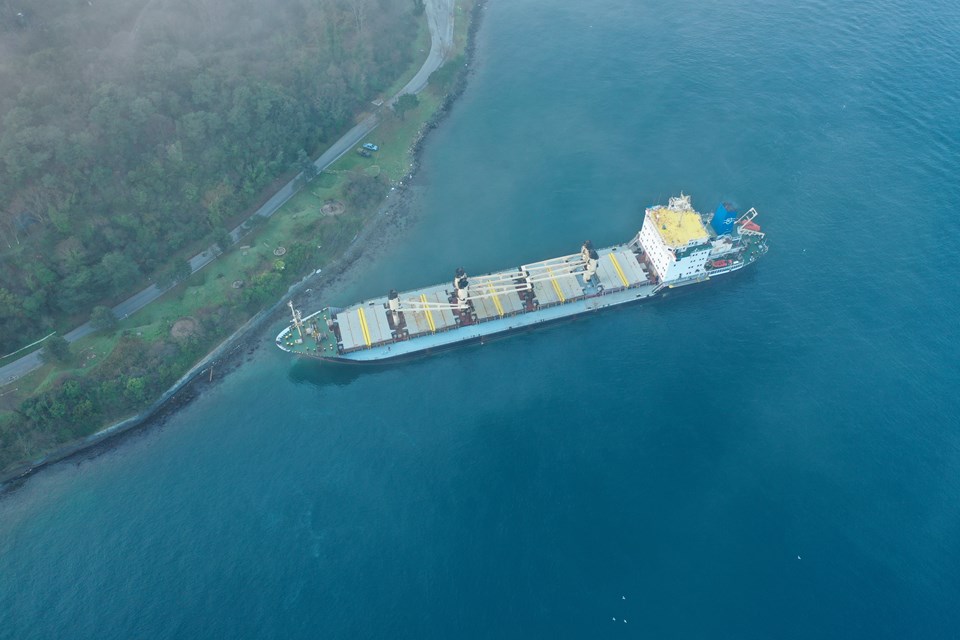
pixel 133 132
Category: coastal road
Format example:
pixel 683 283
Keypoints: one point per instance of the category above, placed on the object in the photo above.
pixel 439 15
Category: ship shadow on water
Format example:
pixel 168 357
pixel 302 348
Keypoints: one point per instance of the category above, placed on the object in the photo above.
pixel 341 374
pixel 722 287
pixel 322 374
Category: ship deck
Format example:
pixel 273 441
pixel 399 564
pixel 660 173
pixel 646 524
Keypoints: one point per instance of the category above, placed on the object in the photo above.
pixel 368 325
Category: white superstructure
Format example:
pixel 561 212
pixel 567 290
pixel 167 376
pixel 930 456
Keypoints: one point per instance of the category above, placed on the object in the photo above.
pixel 675 240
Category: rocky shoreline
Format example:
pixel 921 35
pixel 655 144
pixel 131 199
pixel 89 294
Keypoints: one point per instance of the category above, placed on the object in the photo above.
pixel 390 220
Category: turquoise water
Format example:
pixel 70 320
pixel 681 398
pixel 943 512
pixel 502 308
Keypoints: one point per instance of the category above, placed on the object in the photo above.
pixel 772 455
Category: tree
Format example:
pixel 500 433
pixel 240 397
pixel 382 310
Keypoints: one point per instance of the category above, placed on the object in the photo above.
pixel 119 270
pixel 136 389
pixel 405 103
pixel 363 191
pixel 263 288
pixel 134 160
pixel 177 272
pixel 299 255
pixel 308 170
pixel 10 305
pixel 102 318
pixel 441 79
pixel 56 349
pixel 222 238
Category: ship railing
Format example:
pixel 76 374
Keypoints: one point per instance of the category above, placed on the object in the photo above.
pixel 747 217
pixel 508 314
pixel 412 336
pixel 373 345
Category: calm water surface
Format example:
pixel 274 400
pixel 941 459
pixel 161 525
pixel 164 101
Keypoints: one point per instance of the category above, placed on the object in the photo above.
pixel 774 455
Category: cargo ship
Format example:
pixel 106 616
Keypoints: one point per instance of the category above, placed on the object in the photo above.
pixel 675 247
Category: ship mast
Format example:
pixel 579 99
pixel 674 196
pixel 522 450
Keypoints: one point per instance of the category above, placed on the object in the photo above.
pixel 297 318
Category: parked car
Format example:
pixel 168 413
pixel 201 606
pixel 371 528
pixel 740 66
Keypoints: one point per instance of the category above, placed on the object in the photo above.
pixel 369 146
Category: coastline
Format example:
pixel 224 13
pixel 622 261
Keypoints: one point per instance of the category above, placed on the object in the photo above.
pixel 393 215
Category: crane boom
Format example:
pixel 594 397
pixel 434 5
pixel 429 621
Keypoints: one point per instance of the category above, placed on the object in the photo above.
pixel 497 284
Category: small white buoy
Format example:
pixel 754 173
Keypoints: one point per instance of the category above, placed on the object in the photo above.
pixel 798 557
pixel 614 619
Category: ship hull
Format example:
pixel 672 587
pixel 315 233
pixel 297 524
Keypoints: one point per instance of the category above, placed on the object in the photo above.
pixel 434 319
pixel 466 342
pixel 492 332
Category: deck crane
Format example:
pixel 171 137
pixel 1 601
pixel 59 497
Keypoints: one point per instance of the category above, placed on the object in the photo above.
pixel 590 259
pixel 519 281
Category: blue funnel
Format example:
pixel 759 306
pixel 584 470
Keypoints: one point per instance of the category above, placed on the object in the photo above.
pixel 723 219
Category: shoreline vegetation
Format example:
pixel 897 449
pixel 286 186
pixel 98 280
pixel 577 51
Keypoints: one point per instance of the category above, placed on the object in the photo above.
pixel 344 210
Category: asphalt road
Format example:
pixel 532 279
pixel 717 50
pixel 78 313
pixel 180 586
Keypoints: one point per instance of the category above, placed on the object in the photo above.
pixel 440 20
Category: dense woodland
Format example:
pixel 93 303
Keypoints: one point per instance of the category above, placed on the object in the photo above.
pixel 131 130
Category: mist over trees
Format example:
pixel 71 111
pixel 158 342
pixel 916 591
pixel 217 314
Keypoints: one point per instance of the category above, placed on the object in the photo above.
pixel 131 130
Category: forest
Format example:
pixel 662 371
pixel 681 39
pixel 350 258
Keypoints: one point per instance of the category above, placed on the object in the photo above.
pixel 133 132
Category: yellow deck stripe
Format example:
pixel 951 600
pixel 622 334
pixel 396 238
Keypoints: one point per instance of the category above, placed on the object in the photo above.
pixel 363 325
pixel 616 265
pixel 556 287
pixel 496 300
pixel 423 299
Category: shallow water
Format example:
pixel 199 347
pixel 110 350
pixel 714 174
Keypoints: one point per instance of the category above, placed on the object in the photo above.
pixel 774 454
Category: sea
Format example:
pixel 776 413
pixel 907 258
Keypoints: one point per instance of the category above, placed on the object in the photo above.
pixel 772 454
